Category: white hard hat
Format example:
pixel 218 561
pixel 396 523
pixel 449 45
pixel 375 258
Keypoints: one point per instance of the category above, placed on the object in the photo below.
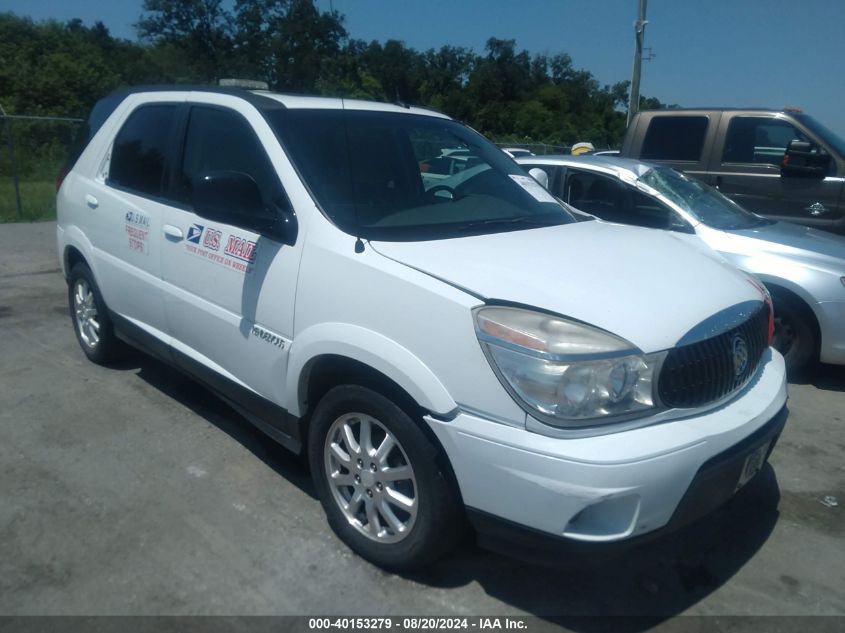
pixel 582 148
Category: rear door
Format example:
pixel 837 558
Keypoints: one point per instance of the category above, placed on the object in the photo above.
pixel 127 206
pixel 682 141
pixel 229 290
pixel 746 167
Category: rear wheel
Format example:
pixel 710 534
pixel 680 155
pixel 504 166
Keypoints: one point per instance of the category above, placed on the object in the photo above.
pixel 795 334
pixel 90 318
pixel 378 479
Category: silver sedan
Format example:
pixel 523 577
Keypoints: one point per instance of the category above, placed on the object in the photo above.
pixel 803 268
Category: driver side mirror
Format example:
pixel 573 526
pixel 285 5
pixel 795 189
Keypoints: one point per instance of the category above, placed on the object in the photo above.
pixel 234 198
pixel 804 160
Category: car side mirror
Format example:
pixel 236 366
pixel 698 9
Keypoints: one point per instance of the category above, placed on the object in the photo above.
pixel 235 198
pixel 802 159
pixel 540 176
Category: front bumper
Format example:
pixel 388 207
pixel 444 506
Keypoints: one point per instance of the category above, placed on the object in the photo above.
pixel 713 485
pixel 611 487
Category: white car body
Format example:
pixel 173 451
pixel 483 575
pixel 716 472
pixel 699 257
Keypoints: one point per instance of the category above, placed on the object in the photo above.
pixel 258 332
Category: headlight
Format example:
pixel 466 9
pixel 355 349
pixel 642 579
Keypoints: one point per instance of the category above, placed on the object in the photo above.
pixel 566 373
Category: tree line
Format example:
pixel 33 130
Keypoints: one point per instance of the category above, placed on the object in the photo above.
pixel 56 68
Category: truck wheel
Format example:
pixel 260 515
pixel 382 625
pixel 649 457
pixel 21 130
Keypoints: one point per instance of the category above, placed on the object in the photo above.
pixel 378 479
pixel 795 336
pixel 90 318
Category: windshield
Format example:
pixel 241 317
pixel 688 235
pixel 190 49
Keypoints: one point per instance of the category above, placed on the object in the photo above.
pixel 820 130
pixel 702 201
pixel 392 176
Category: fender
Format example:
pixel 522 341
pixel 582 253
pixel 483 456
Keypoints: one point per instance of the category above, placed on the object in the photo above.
pixel 367 347
pixel 793 287
pixel 73 236
pixel 771 269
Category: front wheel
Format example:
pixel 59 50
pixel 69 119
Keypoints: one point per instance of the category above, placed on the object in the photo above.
pixel 794 335
pixel 379 480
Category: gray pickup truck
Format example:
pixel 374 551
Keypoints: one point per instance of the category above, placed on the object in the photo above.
pixel 783 165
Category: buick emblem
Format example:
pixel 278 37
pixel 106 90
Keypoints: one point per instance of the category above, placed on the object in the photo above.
pixel 740 355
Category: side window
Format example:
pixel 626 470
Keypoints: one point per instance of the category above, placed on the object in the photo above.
pixel 140 149
pixel 610 200
pixel 222 140
pixel 761 140
pixel 675 138
pixel 599 195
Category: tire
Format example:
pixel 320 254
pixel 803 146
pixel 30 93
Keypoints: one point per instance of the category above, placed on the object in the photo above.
pixel 427 518
pixel 91 323
pixel 795 335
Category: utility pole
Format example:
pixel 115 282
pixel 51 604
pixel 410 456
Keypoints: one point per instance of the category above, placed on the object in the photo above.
pixel 639 32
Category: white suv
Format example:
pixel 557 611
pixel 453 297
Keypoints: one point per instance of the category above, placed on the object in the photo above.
pixel 466 350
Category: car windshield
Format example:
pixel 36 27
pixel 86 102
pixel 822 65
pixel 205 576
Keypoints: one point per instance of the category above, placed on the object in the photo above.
pixel 702 201
pixel 405 177
pixel 828 135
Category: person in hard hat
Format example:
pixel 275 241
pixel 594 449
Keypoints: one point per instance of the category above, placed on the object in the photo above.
pixel 582 148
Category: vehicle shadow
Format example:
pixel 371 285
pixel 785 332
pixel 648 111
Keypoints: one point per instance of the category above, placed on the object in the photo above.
pixel 822 376
pixel 647 585
pixel 204 403
pixel 830 377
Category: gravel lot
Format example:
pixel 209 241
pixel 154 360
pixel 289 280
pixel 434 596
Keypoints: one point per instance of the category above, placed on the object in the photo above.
pixel 132 490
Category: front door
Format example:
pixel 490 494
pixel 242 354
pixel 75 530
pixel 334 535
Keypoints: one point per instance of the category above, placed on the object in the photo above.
pixel 229 290
pixel 749 172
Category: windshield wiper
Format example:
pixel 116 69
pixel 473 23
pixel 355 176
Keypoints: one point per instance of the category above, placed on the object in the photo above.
pixel 525 220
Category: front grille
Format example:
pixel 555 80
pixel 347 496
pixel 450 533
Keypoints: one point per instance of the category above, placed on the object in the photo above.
pixel 701 373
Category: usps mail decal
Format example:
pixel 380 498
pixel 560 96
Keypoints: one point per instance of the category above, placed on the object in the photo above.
pixel 137 227
pixel 205 241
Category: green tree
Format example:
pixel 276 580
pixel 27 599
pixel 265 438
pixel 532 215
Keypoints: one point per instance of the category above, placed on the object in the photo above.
pixel 192 39
pixel 301 43
pixel 255 21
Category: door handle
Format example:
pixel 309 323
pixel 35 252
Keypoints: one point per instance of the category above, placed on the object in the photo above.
pixel 91 201
pixel 172 231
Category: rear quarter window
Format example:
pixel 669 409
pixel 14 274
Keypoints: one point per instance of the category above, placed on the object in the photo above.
pixel 678 138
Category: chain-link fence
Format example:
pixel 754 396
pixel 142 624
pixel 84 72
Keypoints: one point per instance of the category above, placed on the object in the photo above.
pixel 32 152
pixel 543 149
pixel 539 149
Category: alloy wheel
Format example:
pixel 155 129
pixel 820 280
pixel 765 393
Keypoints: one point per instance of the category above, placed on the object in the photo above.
pixel 371 479
pixel 85 310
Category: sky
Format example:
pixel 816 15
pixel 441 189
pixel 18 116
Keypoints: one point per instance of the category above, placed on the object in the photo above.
pixel 733 53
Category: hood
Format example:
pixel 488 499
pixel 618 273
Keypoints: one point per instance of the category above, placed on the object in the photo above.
pixel 643 285
pixel 784 238
pixel 791 243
